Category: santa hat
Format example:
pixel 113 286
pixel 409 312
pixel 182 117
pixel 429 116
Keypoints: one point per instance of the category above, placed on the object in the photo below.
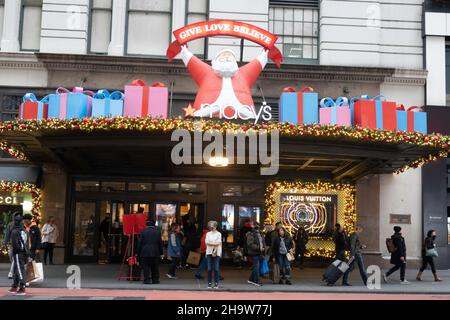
pixel 224 50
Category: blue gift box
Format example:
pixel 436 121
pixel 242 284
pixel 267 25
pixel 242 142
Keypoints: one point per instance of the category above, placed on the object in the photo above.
pixel 68 105
pixel 402 121
pixel 299 107
pixel 105 104
pixel 411 119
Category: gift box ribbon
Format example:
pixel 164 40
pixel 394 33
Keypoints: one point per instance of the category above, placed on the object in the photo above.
pixel 32 98
pixel 105 95
pixel 62 90
pixel 330 103
pixel 146 90
pixel 401 107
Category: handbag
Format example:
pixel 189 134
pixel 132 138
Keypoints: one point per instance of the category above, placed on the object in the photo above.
pixel 290 256
pixel 431 252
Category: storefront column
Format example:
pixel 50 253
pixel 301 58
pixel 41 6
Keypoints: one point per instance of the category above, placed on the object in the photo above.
pixel 178 15
pixel 11 24
pixel 119 18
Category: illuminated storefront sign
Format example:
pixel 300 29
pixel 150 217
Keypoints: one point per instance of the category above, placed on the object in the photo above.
pixel 9 199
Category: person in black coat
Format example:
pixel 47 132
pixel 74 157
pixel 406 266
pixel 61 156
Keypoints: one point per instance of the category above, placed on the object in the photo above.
pixel 150 250
pixel 428 259
pixel 35 236
pixel 398 257
pixel 301 239
pixel 282 245
pixel 339 238
pixel 21 255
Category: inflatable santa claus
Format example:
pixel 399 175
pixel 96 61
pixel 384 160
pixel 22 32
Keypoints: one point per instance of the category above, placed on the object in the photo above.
pixel 224 88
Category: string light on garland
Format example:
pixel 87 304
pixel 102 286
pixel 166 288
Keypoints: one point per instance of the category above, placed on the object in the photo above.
pixel 359 134
pixel 25 187
pixel 348 214
pixel 13 152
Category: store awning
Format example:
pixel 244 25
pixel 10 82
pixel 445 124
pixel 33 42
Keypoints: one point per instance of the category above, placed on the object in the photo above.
pixel 147 152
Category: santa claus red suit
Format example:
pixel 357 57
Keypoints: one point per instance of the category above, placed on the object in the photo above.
pixel 223 87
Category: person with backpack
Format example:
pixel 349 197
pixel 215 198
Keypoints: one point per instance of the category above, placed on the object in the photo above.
pixel 255 250
pixel 355 254
pixel 282 244
pixel 21 255
pixel 340 242
pixel 301 239
pixel 428 254
pixel 397 247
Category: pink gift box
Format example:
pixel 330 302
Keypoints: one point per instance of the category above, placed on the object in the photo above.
pixel 142 100
pixel 335 112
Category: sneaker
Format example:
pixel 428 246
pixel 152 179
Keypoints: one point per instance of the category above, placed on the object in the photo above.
pixel 12 290
pixel 254 283
pixel 405 282
pixel 216 285
pixel 197 276
pixel 171 276
pixel 221 278
pixel 385 278
pixel 210 286
pixel 27 284
pixel 187 267
pixel 10 275
pixel 21 292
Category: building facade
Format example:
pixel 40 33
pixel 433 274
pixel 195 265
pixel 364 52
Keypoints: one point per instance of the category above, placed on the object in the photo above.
pixel 340 48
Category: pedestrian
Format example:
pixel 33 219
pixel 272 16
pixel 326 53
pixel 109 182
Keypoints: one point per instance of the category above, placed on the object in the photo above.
pixel 282 244
pixel 398 257
pixel 300 239
pixel 339 239
pixel 104 229
pixel 150 250
pixel 190 241
pixel 243 231
pixel 34 234
pixel 7 243
pixel 202 250
pixel 174 249
pixel 213 242
pixel 21 255
pixel 255 250
pixel 355 254
pixel 428 254
pixel 49 236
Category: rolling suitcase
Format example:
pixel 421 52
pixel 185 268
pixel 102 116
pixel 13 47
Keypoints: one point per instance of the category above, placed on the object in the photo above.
pixel 335 271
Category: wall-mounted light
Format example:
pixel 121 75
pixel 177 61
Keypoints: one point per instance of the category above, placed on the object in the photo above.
pixel 218 161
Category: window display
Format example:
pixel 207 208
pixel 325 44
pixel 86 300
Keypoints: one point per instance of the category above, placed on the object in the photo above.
pixel 228 222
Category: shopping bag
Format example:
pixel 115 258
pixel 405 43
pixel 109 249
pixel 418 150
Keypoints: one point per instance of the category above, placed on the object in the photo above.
pixel 263 266
pixel 38 272
pixel 193 258
pixel 31 271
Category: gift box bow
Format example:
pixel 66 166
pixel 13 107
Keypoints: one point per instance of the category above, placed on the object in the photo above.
pixel 141 83
pixel 329 102
pixel 104 94
pixel 32 98
pixel 401 107
pixel 292 90
pixel 366 97
pixel 62 90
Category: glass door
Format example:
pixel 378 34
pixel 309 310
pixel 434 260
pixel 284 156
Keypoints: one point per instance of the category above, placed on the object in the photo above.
pixel 85 233
pixel 112 242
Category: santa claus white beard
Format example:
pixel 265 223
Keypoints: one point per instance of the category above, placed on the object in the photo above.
pixel 225 69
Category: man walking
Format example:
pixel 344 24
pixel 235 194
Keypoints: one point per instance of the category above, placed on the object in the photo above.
pixel 356 256
pixel 339 239
pixel 7 242
pixel 149 251
pixel 398 257
pixel 255 249
pixel 19 243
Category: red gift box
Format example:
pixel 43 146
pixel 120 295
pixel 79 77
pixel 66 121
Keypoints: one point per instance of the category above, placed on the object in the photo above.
pixel 32 109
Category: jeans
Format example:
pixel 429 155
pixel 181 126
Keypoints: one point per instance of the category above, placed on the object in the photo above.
pixel 173 266
pixel 213 265
pixel 254 276
pixel 362 270
pixel 202 266
pixel 428 260
pixel 285 266
pixel 151 265
pixel 401 266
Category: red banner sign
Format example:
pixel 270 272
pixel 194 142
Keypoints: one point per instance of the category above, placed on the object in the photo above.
pixel 225 28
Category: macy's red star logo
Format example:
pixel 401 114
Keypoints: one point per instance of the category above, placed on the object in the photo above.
pixel 189 111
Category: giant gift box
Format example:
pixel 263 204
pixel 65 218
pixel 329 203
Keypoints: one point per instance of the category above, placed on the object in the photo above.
pixel 31 108
pixel 105 104
pixel 373 113
pixel 142 100
pixel 67 104
pixel 299 107
pixel 411 119
pixel 335 112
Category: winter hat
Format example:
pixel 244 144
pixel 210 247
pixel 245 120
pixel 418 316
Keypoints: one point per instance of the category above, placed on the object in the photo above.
pixel 397 229
pixel 18 219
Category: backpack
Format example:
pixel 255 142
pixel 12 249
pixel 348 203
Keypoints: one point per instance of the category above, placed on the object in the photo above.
pixel 390 245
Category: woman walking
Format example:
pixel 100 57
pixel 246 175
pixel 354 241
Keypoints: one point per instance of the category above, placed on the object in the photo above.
pixel 49 236
pixel 174 249
pixel 428 254
pixel 213 242
pixel 282 245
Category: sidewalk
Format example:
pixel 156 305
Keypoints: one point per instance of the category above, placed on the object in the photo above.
pixel 309 280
